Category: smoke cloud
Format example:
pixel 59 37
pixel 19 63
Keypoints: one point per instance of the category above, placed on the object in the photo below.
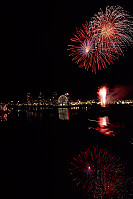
pixel 118 92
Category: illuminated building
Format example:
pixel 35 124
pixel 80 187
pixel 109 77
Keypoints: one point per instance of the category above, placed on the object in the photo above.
pixel 29 99
pixel 41 99
pixel 54 98
pixel 55 94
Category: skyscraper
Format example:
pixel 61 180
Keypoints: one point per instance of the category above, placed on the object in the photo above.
pixel 41 100
pixel 29 99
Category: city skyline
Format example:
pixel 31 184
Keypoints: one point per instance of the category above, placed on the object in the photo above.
pixel 55 98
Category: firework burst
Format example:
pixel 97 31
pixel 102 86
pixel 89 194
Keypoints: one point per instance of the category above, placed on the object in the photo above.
pixel 103 39
pixel 98 172
pixel 113 29
pixel 102 95
pixel 83 49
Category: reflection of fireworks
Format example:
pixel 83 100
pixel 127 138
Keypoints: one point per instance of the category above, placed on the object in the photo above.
pixel 98 172
pixel 103 39
pixel 103 121
pixel 105 127
pixel 102 95
pixel 127 188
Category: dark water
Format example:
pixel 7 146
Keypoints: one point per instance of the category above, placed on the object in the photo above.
pixel 38 146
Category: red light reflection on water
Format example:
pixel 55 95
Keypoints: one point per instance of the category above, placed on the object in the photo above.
pixel 103 121
pixel 104 126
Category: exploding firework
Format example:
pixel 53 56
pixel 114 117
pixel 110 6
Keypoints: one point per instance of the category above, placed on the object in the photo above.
pixel 103 39
pixel 113 29
pixel 98 172
pixel 102 95
pixel 83 49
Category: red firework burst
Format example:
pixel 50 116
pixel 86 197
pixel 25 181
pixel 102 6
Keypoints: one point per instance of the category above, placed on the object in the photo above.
pixel 83 48
pixel 98 172
pixel 103 39
pixel 113 29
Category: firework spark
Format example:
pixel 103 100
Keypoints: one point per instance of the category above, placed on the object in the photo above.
pixel 113 29
pixel 102 95
pixel 83 50
pixel 98 172
pixel 102 40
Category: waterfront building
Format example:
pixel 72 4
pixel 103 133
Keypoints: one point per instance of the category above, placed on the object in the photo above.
pixel 41 100
pixel 54 98
pixel 29 99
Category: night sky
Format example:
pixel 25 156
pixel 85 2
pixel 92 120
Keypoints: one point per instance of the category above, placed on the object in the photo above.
pixel 33 49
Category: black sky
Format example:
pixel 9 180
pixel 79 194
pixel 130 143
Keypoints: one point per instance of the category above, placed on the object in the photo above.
pixel 33 46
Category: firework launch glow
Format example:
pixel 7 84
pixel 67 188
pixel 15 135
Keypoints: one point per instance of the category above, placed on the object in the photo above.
pixel 102 95
pixel 102 40
pixel 98 172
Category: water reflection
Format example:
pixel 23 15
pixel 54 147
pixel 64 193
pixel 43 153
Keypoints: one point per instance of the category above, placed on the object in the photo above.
pixel 103 121
pixel 33 115
pixel 104 126
pixel 3 117
pixel 63 113
pixel 98 172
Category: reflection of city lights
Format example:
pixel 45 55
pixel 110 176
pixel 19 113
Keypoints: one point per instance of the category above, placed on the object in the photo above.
pixel 63 113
